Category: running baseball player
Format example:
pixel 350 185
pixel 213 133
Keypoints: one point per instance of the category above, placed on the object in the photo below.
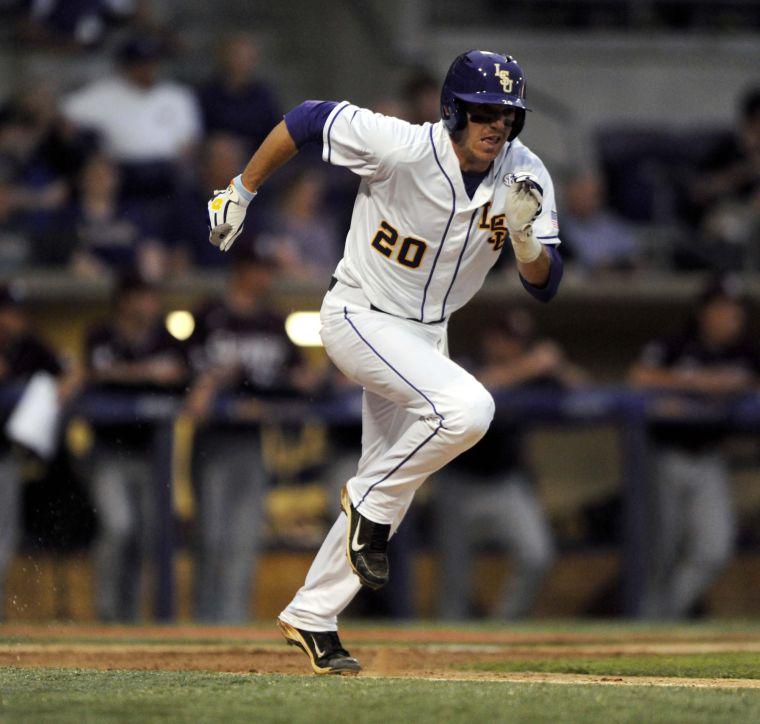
pixel 436 206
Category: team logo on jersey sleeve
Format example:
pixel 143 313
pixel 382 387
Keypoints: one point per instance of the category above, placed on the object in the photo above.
pixel 504 79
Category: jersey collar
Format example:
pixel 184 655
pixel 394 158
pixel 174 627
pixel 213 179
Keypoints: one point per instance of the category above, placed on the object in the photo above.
pixel 484 193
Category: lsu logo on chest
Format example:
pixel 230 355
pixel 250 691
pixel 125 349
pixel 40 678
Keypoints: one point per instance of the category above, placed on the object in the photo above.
pixel 496 224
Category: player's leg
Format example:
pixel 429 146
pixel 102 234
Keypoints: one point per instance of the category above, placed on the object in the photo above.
pixel 331 583
pixel 402 361
pixel 393 436
pixel 521 525
pixel 212 480
pixel 666 520
pixel 137 470
pixel 445 411
pixel 710 532
pixel 247 484
pixel 116 525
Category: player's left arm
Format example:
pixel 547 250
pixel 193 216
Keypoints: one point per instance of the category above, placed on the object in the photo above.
pixel 541 277
pixel 531 219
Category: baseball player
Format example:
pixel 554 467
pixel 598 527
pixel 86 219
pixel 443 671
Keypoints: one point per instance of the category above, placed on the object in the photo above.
pixel 436 206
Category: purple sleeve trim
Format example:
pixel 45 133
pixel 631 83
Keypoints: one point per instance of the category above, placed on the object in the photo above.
pixel 306 121
pixel 546 292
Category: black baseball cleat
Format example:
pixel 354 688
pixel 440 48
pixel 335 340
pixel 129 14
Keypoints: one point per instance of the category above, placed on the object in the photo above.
pixel 323 648
pixel 366 545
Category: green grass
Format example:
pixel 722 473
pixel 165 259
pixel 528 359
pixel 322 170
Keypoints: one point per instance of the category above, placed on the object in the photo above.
pixel 51 695
pixel 729 665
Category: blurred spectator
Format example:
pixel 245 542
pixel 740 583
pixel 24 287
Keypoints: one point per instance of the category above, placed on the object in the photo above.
pixel 594 236
pixel 486 493
pixel 239 347
pixel 39 156
pixel 131 353
pixel 74 23
pixel 147 124
pixel 303 241
pixel 693 518
pixel 727 194
pixel 57 144
pixel 234 101
pixel 105 235
pixel 421 95
pixel 22 354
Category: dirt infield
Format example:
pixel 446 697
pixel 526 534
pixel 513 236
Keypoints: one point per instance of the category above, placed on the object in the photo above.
pixel 426 653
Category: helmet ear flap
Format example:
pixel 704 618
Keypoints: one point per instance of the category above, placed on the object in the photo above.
pixel 460 115
pixel 517 124
pixel 453 114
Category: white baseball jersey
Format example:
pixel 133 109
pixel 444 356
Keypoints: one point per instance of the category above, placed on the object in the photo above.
pixel 418 246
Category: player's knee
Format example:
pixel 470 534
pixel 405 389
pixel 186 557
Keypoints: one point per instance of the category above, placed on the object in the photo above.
pixel 473 415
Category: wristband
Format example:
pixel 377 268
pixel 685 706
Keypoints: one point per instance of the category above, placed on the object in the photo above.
pixel 243 192
pixel 527 247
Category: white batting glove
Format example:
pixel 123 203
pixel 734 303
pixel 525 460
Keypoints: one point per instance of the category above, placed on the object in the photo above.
pixel 226 213
pixel 524 198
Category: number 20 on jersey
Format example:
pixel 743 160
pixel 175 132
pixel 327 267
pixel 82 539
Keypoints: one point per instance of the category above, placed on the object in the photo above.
pixel 409 253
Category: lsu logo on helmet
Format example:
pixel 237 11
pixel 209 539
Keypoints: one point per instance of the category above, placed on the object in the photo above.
pixel 504 79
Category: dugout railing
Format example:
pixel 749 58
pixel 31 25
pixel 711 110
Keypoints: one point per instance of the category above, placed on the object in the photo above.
pixel 630 411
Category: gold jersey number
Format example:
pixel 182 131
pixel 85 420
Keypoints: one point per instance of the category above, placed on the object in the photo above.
pixel 409 253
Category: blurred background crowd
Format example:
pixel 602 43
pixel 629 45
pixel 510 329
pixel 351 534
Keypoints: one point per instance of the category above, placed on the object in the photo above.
pixel 187 438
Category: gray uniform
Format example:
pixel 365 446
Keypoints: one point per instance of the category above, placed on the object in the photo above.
pixel 229 473
pixel 232 483
pixel 694 529
pixel 484 496
pixel 692 521
pixel 124 499
pixel 120 474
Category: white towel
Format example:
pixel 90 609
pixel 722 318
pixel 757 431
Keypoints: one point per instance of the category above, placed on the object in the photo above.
pixel 34 421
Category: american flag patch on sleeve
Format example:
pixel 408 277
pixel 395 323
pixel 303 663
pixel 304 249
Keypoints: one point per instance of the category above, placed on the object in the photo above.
pixel 555 223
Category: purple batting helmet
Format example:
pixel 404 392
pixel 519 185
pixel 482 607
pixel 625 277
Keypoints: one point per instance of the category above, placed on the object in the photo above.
pixel 479 76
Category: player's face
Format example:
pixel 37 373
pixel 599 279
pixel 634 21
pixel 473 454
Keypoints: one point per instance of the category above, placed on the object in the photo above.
pixel 487 129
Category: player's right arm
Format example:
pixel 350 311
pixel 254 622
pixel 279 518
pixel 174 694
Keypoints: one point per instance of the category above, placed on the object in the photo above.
pixel 352 137
pixel 227 209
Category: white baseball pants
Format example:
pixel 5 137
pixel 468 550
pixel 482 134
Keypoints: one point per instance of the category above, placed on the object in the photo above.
pixel 420 410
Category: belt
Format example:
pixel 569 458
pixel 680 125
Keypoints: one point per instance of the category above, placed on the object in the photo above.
pixel 334 281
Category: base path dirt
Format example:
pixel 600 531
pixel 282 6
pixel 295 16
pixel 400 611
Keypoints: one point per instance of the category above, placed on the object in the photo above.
pixel 435 654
